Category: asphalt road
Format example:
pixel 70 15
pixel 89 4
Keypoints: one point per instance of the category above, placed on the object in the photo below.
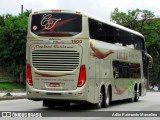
pixel 151 102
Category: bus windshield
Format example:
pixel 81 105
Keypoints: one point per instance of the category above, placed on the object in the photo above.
pixel 56 24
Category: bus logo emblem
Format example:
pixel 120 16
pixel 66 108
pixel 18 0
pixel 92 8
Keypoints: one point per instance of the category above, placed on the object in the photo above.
pixel 48 22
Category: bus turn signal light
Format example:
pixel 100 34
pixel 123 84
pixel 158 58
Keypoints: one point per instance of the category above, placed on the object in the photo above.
pixel 82 76
pixel 29 75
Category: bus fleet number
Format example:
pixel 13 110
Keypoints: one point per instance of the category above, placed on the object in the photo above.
pixel 76 41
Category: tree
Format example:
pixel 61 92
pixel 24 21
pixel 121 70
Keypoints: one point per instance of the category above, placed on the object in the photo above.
pixel 145 22
pixel 134 19
pixel 13 31
pixel 1 20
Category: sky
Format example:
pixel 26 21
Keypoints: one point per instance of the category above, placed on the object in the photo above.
pixel 99 8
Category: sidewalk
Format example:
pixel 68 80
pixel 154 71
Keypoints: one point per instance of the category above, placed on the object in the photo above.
pixel 13 94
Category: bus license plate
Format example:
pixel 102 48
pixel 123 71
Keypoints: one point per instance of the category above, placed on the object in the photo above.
pixel 54 85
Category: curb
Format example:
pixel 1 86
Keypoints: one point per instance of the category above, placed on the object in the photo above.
pixel 12 97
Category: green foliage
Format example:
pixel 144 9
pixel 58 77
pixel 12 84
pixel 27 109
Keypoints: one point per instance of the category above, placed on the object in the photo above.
pixel 133 19
pixel 145 22
pixel 13 31
pixel 11 86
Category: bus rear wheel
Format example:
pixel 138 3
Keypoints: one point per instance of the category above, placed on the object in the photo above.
pixel 136 96
pixel 101 97
pixel 107 99
pixel 49 104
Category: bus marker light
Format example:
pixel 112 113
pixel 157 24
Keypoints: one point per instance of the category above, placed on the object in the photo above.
pixel 56 10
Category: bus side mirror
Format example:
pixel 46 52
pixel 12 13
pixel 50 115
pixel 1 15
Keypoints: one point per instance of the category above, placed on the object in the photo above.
pixel 150 64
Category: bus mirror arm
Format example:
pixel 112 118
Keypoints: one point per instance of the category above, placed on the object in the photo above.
pixel 150 60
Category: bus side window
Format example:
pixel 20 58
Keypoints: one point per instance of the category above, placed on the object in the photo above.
pixel 131 42
pixel 100 32
pixel 117 39
pixel 126 70
pixel 109 34
pixel 125 38
pixel 96 30
pixel 100 27
pixel 92 28
pixel 139 43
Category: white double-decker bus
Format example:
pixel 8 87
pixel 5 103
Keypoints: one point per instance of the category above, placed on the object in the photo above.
pixel 73 58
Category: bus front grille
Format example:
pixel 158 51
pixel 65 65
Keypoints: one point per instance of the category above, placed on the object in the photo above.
pixel 55 60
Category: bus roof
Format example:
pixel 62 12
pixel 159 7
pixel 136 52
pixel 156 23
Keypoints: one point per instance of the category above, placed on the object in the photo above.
pixel 57 11
pixel 93 17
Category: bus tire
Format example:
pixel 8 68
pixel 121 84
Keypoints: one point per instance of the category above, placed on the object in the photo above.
pixel 131 100
pixel 136 96
pixel 64 104
pixel 99 104
pixel 106 99
pixel 48 104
